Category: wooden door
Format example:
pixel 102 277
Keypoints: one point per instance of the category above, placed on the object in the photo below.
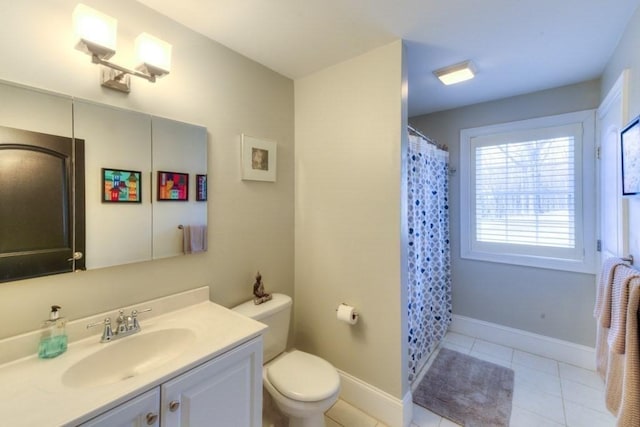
pixel 40 193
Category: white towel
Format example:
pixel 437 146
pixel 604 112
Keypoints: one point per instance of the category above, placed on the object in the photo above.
pixel 194 239
pixel 602 309
pixel 624 279
pixel 602 313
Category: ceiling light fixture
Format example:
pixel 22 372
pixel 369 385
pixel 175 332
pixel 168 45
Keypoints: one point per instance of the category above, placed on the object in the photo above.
pixel 96 36
pixel 456 73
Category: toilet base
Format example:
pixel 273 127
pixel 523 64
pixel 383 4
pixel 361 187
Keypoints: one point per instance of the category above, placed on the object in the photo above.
pixel 300 414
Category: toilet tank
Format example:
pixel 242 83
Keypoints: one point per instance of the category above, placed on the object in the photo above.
pixel 274 313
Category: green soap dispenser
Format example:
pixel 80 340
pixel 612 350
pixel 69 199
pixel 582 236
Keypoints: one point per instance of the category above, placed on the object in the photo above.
pixel 53 341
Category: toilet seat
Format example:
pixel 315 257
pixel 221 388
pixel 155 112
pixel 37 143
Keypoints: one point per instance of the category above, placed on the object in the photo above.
pixel 303 377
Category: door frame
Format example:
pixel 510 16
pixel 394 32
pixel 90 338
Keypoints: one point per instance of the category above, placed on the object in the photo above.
pixel 617 97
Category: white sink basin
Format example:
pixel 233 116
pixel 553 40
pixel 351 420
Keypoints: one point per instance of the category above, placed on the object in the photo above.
pixel 128 357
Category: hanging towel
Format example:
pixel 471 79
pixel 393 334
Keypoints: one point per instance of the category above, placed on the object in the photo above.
pixel 194 239
pixel 602 350
pixel 602 310
pixel 622 384
pixel 602 313
pixel 624 278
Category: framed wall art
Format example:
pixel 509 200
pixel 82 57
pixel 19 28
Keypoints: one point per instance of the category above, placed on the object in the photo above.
pixel 258 159
pixel 201 188
pixel 630 140
pixel 173 186
pixel 121 186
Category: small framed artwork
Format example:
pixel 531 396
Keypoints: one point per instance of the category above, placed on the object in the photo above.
pixel 121 186
pixel 630 140
pixel 258 159
pixel 173 186
pixel 201 188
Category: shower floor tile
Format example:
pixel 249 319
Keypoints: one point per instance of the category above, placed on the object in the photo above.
pixel 495 351
pixel 459 340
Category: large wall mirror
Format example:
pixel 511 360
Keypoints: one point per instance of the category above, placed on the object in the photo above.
pixel 144 176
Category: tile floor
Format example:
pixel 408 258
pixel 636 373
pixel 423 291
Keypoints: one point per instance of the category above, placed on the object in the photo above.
pixel 547 393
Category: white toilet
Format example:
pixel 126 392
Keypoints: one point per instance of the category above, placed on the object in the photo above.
pixel 303 386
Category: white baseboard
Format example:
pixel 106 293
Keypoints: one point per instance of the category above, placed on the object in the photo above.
pixel 375 402
pixel 541 345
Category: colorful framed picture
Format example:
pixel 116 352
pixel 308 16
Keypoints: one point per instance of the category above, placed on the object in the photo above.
pixel 121 186
pixel 258 159
pixel 630 140
pixel 173 186
pixel 201 188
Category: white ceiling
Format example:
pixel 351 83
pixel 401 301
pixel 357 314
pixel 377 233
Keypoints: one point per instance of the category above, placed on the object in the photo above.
pixel 518 46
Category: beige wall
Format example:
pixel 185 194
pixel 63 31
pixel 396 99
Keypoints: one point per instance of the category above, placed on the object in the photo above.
pixel 548 302
pixel 348 127
pixel 250 223
pixel 626 57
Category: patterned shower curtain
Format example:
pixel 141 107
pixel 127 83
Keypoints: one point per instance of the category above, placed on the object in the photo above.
pixel 429 275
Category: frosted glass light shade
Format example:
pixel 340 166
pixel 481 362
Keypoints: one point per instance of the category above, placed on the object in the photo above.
pixel 95 32
pixel 153 55
pixel 456 73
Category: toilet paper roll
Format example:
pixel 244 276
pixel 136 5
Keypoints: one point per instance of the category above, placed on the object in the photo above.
pixel 348 314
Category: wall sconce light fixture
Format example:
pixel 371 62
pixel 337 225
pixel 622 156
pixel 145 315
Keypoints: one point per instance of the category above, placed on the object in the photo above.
pixel 96 36
pixel 456 73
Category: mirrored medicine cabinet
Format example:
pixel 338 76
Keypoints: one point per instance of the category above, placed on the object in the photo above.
pixel 123 151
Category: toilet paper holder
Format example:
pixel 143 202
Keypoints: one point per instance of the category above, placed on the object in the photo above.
pixel 347 313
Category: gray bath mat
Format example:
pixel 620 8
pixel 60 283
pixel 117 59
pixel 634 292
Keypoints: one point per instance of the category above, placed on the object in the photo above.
pixel 466 390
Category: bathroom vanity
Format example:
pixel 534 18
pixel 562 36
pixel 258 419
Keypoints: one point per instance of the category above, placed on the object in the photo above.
pixel 193 363
pixel 217 393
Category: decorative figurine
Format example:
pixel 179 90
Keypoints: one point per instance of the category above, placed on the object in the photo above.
pixel 260 295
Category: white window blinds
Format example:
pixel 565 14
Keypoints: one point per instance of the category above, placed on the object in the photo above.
pixel 525 193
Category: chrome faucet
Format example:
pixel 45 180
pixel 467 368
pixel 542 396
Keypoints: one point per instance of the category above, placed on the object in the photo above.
pixel 126 325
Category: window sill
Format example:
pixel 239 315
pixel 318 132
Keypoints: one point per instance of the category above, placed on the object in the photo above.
pixel 576 266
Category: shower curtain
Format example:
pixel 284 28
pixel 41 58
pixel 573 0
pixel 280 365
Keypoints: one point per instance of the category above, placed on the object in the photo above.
pixel 429 270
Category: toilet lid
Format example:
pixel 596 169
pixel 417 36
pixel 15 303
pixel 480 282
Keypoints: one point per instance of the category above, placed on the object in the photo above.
pixel 304 377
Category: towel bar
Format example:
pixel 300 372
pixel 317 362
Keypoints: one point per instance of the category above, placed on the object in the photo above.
pixel 628 259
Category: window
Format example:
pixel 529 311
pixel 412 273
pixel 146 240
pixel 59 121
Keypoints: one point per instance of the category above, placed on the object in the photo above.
pixel 522 198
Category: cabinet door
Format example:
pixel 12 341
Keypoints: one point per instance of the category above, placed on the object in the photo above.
pixel 38 204
pixel 36 174
pixel 117 232
pixel 225 392
pixel 140 411
pixel 179 148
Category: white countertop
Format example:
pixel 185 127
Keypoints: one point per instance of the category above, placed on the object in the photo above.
pixel 32 392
